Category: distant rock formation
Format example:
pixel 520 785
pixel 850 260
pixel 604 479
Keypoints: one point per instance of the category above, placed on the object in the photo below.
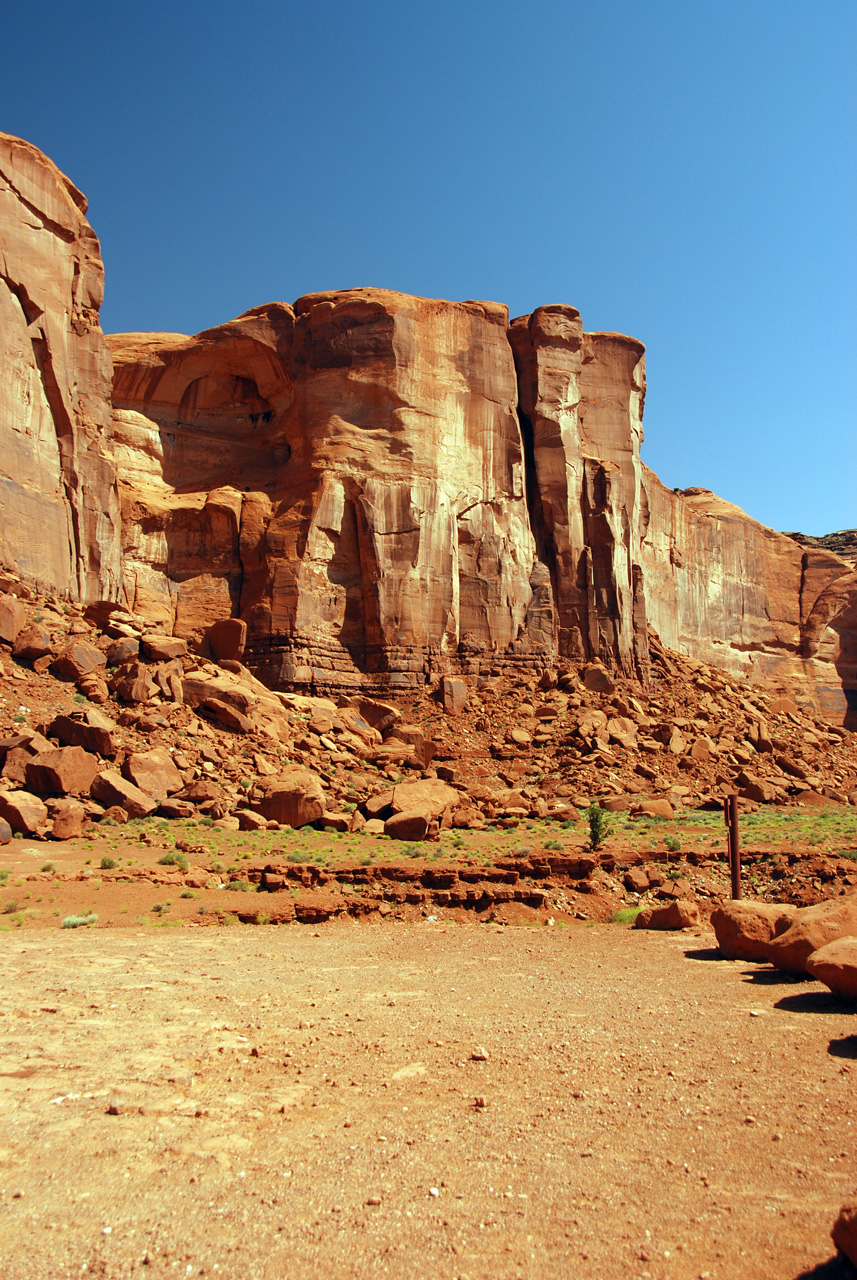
pixel 60 525
pixel 385 489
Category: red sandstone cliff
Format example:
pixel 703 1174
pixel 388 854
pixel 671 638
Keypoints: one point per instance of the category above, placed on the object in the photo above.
pixel 60 523
pixel 385 488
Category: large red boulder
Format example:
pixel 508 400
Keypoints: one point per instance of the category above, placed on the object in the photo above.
pixel 111 788
pixel 62 771
pixel 812 928
pixel 744 929
pixel 676 915
pixel 294 797
pixel 835 964
pixel 23 811
pixel 153 772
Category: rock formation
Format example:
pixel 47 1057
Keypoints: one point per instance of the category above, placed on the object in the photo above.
pixel 378 490
pixel 60 526
pixel 348 475
pixel 389 488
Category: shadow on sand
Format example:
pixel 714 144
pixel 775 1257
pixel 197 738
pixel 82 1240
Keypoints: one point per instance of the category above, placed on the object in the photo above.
pixel 838 1268
pixel 844 1047
pixel 812 1002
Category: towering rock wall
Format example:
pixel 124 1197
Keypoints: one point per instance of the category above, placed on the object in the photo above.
pixel 60 523
pixel 348 475
pixel 383 487
pixel 387 487
pixel 581 406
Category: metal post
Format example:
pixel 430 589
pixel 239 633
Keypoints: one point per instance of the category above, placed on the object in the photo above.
pixel 731 805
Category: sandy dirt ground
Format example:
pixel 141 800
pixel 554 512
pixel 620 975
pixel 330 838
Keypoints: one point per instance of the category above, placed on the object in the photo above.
pixel 409 1100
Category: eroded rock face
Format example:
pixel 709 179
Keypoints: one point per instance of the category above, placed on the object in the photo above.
pixel 361 498
pixel 386 488
pixel 581 404
pixel 383 489
pixel 60 526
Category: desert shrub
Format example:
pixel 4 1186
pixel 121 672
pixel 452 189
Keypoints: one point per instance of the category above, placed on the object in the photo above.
pixel 107 864
pixel 626 915
pixel 553 844
pixel 173 860
pixel 598 821
pixel 11 907
pixel 672 843
pixel 75 922
pixel 48 866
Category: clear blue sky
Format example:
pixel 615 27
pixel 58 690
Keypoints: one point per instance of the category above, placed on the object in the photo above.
pixel 680 171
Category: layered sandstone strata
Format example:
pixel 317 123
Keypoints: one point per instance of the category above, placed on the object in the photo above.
pixel 382 488
pixel 385 487
pixel 60 525
pixel 348 474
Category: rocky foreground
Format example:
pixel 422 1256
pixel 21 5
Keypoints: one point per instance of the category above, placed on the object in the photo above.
pixel 107 723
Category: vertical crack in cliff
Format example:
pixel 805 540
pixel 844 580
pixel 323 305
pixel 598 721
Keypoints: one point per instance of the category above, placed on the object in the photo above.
pixel 64 429
pixel 545 547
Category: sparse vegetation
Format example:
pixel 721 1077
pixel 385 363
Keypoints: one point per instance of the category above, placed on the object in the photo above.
pixel 77 922
pixel 598 821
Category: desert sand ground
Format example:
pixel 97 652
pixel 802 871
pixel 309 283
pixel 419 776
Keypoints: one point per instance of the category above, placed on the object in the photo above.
pixel 430 1099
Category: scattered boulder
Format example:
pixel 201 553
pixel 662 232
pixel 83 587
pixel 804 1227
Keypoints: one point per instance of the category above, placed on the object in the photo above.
pixel 62 771
pixel 453 695
pixel 33 642
pixel 655 808
pixel 13 618
pixel 250 821
pixel 176 808
pixel 67 819
pixel 410 824
pixel 226 639
pixel 23 811
pixel 153 772
pixel 111 788
pixel 89 729
pixel 744 929
pixel 597 679
pixel 811 929
pixel 427 794
pixel 162 648
pixel 123 650
pixel 294 797
pixel 835 964
pixel 680 914
pixel 5 831
pixel 78 658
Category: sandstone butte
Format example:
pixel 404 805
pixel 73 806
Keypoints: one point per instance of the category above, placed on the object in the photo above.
pixel 384 488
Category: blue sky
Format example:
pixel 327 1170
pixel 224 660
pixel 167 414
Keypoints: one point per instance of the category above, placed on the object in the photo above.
pixel 680 171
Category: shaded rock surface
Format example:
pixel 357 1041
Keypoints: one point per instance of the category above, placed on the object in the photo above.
pixel 60 525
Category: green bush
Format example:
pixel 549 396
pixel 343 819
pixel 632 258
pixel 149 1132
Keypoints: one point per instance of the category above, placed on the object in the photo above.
pixel 626 915
pixel 598 820
pixel 672 843
pixel 553 844
pixel 107 864
pixel 172 860
pixel 75 922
